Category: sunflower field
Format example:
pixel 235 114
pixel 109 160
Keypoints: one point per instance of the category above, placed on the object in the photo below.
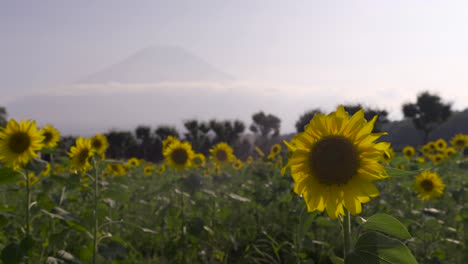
pixel 335 193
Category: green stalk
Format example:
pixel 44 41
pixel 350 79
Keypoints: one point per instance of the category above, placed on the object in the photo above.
pixel 28 202
pixel 95 229
pixel 347 232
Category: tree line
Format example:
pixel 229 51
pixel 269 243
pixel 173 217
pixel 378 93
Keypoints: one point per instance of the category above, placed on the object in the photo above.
pixel 426 113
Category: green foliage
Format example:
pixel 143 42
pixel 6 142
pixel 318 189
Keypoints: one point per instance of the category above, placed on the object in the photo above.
pixel 386 224
pixel 374 247
pixel 265 125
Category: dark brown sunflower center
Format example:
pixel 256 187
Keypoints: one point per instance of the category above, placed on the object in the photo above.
pixel 221 155
pixel 83 156
pixel 408 153
pixel 460 143
pixel 427 185
pixel 96 144
pixel 179 156
pixel 19 142
pixel 47 137
pixel 334 160
pixel 441 145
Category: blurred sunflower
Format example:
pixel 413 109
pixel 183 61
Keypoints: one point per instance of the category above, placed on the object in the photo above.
pixel 179 155
pixel 335 161
pixel 19 143
pixel 222 154
pixel 33 179
pixel 421 160
pixel 249 160
pixel 426 150
pixel 460 141
pixel 408 152
pixel 100 144
pixel 167 141
pixel 401 167
pixel 116 169
pixel 80 154
pixel 428 185
pixel 449 152
pixel 432 146
pixel 437 158
pixel 238 164
pixel 388 155
pixel 441 144
pixel 134 162
pixel 46 170
pixel 199 160
pixel 51 136
pixel 274 151
pixel 161 169
pixel 148 170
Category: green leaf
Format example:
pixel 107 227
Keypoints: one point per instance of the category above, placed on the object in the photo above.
pixel 394 172
pixel 336 260
pixel 11 254
pixel 386 224
pixel 376 248
pixel 8 175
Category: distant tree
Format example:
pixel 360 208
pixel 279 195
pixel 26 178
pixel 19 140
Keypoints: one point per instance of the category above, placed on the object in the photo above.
pixel 369 113
pixel 119 143
pixel 145 141
pixel 162 132
pixel 427 113
pixel 265 125
pixel 226 131
pixel 197 134
pixel 305 118
pixel 3 116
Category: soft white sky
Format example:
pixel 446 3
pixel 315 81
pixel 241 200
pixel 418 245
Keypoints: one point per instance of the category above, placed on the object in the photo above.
pixel 382 53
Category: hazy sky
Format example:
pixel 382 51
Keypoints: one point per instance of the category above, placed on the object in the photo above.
pixel 382 53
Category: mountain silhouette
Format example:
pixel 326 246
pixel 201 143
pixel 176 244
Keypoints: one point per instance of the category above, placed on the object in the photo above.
pixel 159 64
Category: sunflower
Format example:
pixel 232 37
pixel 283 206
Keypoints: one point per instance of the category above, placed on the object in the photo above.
pixel 116 169
pixel 161 169
pixel 33 179
pixel 449 152
pixel 459 141
pixel 222 154
pixel 99 143
pixel 426 150
pixel 408 152
pixel 238 164
pixel 51 136
pixel 167 141
pixel 437 158
pixel 179 155
pixel 441 144
pixel 432 146
pixel 421 160
pixel 249 160
pixel 19 143
pixel 335 161
pixel 199 160
pixel 80 154
pixel 428 185
pixel 148 170
pixel 134 162
pixel 274 151
pixel 46 170
pixel 388 155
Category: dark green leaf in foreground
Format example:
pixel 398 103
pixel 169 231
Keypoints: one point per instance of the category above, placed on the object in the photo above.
pixel 386 224
pixel 376 248
pixel 8 175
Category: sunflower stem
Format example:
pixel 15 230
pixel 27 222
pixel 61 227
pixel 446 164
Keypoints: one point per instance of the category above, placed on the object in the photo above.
pixel 95 215
pixel 28 202
pixel 347 232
